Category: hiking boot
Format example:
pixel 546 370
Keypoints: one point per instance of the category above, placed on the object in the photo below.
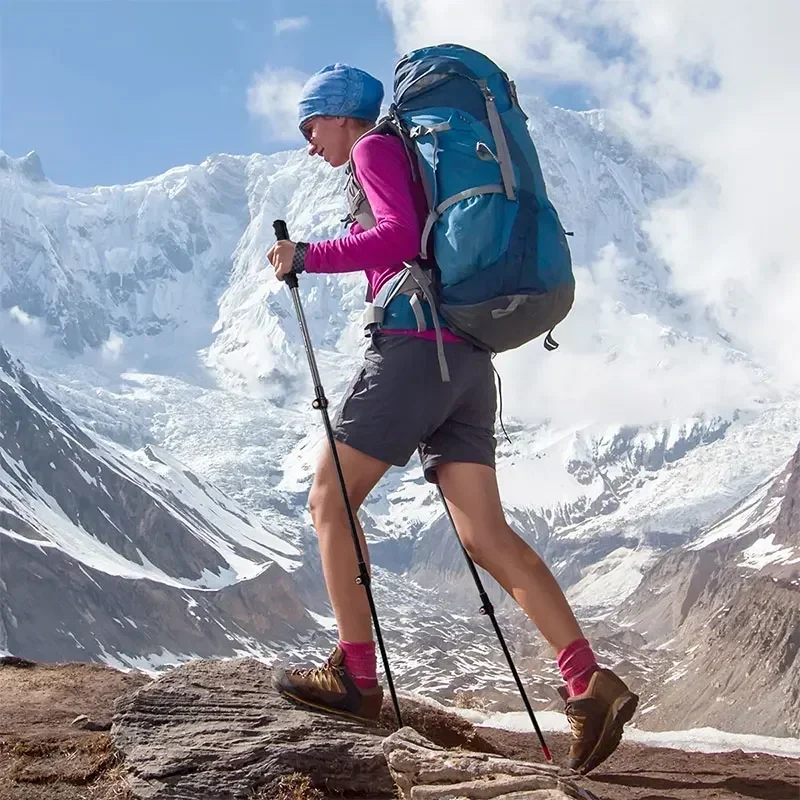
pixel 330 688
pixel 596 718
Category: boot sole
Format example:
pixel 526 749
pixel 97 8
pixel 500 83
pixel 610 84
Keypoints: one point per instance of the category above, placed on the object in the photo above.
pixel 334 712
pixel 618 715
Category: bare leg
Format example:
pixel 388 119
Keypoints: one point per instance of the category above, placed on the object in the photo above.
pixel 473 497
pixel 339 562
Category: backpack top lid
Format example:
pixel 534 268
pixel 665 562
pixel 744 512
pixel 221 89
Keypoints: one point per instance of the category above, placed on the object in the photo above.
pixel 419 70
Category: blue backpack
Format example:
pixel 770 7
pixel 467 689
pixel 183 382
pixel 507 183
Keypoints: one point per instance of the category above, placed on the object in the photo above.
pixel 494 260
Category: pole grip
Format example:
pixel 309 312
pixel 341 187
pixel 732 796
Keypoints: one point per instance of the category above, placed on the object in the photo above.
pixel 282 235
pixel 281 231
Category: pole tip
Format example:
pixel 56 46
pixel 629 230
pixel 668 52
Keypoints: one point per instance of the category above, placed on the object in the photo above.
pixel 546 752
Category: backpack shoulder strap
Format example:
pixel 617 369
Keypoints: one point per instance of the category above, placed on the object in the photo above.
pixel 358 207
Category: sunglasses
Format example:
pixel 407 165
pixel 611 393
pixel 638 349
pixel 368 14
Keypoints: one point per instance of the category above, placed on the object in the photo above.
pixel 308 129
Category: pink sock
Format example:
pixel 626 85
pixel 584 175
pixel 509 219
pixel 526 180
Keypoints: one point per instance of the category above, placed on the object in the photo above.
pixel 577 664
pixel 361 663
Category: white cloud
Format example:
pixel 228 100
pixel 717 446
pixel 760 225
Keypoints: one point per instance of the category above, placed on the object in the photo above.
pixel 272 96
pixel 113 347
pixel 22 317
pixel 619 367
pixel 290 24
pixel 534 39
pixel 715 81
pixel 23 334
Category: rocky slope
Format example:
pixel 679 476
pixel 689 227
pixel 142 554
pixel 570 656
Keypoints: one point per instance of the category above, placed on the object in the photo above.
pixel 728 606
pixel 104 557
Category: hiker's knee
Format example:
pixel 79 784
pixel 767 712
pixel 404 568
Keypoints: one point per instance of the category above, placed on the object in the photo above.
pixel 491 547
pixel 476 547
pixel 325 499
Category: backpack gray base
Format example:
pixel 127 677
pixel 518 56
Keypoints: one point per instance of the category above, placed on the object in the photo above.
pixel 504 323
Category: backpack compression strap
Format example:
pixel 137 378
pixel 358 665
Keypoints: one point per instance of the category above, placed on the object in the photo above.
pixel 412 281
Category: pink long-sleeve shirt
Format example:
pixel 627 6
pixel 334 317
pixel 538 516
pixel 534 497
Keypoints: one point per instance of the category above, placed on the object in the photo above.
pixel 399 206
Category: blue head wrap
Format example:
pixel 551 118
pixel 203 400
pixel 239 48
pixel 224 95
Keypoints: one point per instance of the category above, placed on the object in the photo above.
pixel 340 90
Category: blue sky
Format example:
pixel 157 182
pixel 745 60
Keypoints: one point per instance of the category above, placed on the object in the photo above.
pixel 112 91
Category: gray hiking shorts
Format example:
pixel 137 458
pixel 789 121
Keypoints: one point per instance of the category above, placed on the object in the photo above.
pixel 397 403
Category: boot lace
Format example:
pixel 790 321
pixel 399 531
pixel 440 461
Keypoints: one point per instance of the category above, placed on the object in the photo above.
pixel 576 723
pixel 321 676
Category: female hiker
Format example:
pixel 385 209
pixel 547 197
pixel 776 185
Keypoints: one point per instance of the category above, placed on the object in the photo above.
pixel 398 403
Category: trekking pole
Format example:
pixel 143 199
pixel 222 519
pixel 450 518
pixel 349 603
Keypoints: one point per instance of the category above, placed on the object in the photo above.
pixel 488 609
pixel 321 403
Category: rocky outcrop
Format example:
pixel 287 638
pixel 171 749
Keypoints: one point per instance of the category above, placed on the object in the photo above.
pixel 214 729
pixel 218 729
pixel 423 771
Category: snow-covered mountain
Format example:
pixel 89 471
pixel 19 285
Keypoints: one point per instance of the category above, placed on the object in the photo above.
pixel 148 317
